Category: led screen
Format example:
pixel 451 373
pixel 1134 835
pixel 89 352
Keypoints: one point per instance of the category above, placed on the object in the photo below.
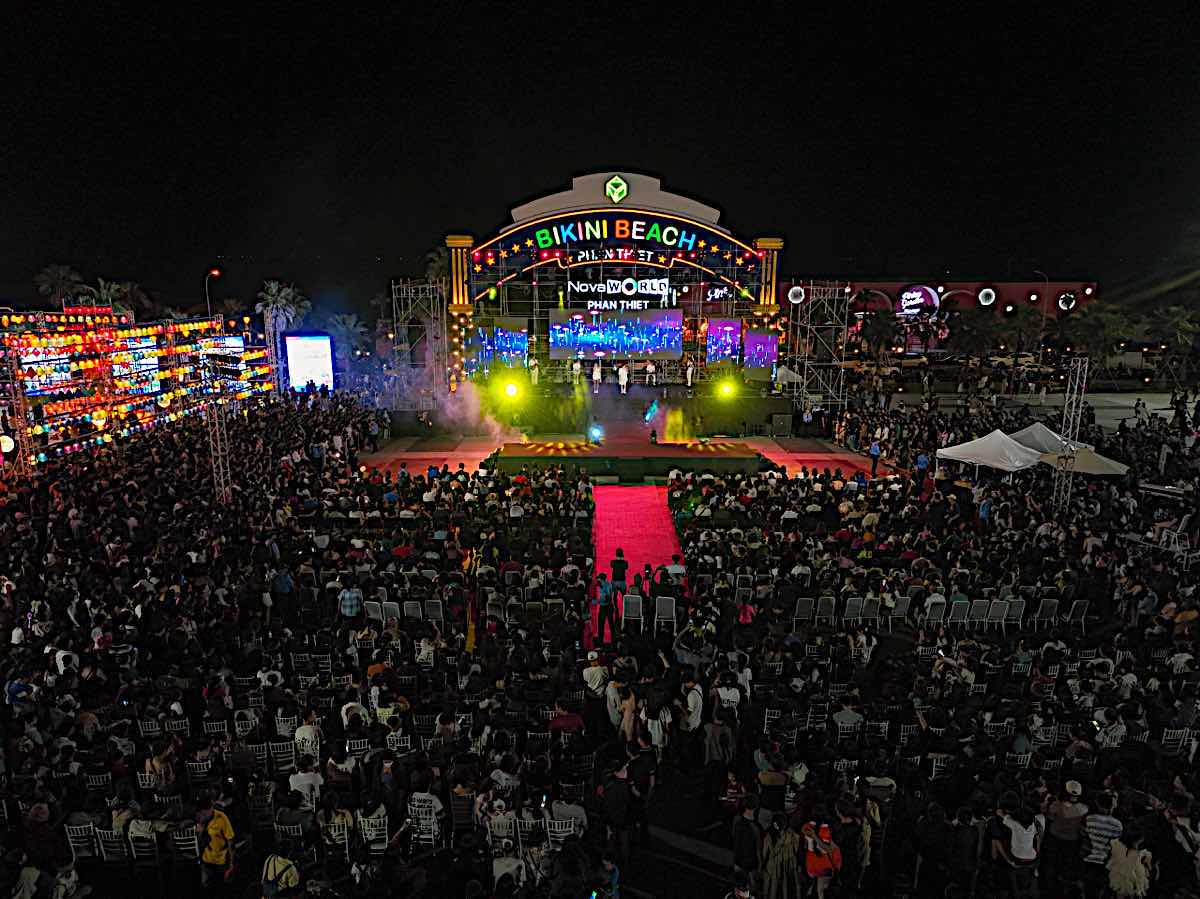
pixel 761 348
pixel 142 369
pixel 644 334
pixel 724 340
pixel 511 341
pixel 309 358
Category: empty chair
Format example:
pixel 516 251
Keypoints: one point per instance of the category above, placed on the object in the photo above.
pixel 996 613
pixel 374 833
pixel 977 615
pixel 826 610
pixel 113 847
pixel 283 755
pixel 1077 615
pixel 82 841
pixel 391 610
pixel 433 611
pixel 1046 613
pixel 958 612
pixel 936 613
pixel 806 608
pixel 374 610
pixel 412 609
pixel 557 832
pixel 1016 613
pixel 899 612
pixel 632 611
pixel 870 613
pixel 854 609
pixel 664 612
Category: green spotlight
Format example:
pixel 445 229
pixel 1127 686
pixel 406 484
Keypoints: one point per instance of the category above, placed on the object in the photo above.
pixel 510 389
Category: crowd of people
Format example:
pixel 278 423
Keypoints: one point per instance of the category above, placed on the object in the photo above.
pixel 392 683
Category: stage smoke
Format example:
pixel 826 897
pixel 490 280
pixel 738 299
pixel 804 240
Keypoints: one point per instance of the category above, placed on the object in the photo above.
pixel 677 429
pixel 463 412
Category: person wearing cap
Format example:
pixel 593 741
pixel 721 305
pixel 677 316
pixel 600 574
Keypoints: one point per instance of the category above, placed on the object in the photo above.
pixel 1064 827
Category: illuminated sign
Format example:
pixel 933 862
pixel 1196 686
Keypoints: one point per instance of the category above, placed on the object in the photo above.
pixel 309 359
pixel 616 189
pixel 650 230
pixel 623 291
pixel 917 299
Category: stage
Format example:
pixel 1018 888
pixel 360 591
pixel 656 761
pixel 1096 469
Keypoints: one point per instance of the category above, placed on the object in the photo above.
pixel 628 454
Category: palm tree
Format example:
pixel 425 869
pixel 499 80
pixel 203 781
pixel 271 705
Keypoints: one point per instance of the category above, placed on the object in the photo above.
pixel 233 307
pixel 1098 331
pixel 57 282
pixel 348 332
pixel 437 264
pixel 1178 327
pixel 108 293
pixel 879 331
pixel 281 306
pixel 974 331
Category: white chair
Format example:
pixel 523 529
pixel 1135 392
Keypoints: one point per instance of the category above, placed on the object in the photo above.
pixel 826 610
pixel 412 609
pixel 806 608
pixel 374 610
pixel 899 611
pixel 391 610
pixel 1078 615
pixel 664 613
pixel 632 611
pixel 557 832
pixel 854 609
pixel 997 612
pixel 978 613
pixel 82 840
pixel 374 833
pixel 936 613
pixel 958 612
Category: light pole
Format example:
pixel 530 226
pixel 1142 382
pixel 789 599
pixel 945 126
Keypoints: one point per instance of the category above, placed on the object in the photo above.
pixel 1042 331
pixel 212 273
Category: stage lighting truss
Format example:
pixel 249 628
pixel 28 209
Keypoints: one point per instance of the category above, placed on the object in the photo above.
pixel 419 312
pixel 812 367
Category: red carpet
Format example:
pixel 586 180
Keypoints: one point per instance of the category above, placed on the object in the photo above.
pixel 637 520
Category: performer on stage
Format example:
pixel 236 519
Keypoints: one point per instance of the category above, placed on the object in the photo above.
pixel 691 370
pixel 576 371
pixel 651 373
pixel 533 372
pixel 596 375
pixel 623 377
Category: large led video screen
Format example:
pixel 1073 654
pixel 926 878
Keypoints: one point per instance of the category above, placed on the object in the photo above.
pixel 141 371
pixel 511 341
pixel 643 334
pixel 309 358
pixel 723 341
pixel 761 348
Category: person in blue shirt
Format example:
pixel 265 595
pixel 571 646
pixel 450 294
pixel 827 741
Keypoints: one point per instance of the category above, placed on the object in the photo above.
pixel 922 464
pixel 607 609
pixel 874 452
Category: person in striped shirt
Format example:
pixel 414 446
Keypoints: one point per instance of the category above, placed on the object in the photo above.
pixel 1100 828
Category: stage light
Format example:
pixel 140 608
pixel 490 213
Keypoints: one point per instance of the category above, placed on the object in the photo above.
pixel 1033 297
pixel 215 272
pixel 987 296
pixel 726 389
pixel 1087 291
pixel 510 389
pixel 595 432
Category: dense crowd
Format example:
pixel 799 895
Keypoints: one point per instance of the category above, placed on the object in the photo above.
pixel 347 679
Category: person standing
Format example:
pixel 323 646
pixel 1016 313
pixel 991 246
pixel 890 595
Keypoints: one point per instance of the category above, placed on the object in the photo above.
pixel 691 371
pixel 534 370
pixel 605 602
pixel 576 371
pixel 623 377
pixel 747 840
pixel 596 375
pixel 216 836
pixel 620 572
pixel 651 374
pixel 874 452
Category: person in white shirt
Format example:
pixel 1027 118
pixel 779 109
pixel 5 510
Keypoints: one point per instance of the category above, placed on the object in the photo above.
pixel 307 782
pixel 651 374
pixel 623 377
pixel 596 375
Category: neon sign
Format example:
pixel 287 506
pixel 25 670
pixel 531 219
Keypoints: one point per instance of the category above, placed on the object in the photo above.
pixel 917 299
pixel 647 230
pixel 621 288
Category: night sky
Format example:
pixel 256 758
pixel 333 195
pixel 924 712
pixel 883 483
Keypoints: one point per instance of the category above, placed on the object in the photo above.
pixel 334 149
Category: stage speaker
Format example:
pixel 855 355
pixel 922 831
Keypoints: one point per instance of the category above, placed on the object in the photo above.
pixel 781 425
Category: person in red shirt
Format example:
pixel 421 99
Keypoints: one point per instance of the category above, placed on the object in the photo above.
pixel 564 721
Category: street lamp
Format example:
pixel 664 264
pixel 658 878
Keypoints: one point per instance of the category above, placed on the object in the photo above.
pixel 212 273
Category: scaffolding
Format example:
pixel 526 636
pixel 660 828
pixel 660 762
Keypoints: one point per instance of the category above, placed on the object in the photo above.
pixel 14 415
pixel 218 443
pixel 419 350
pixel 812 367
pixel 1064 471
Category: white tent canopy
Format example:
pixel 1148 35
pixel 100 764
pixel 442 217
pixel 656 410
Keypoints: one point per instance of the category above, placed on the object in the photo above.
pixel 1039 437
pixel 1088 462
pixel 996 450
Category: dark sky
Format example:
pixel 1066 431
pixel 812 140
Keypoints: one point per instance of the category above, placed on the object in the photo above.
pixel 335 148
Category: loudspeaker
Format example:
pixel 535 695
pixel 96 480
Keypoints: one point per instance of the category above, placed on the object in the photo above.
pixel 781 425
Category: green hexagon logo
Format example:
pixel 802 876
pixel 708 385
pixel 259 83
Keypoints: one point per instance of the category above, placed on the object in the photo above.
pixel 616 189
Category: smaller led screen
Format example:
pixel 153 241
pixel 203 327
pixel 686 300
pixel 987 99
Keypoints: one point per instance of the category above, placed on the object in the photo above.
pixel 309 358
pixel 644 334
pixel 724 340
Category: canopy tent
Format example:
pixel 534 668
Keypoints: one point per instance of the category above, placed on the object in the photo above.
pixel 1039 437
pixel 1088 461
pixel 996 450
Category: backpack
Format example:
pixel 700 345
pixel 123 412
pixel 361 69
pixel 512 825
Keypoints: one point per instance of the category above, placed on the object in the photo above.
pixel 824 857
pixel 270 885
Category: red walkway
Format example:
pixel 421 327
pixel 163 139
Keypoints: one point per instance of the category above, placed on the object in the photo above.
pixel 637 520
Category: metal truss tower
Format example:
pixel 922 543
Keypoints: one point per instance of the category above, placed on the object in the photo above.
pixel 218 443
pixel 419 313
pixel 1064 471
pixel 15 409
pixel 816 347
